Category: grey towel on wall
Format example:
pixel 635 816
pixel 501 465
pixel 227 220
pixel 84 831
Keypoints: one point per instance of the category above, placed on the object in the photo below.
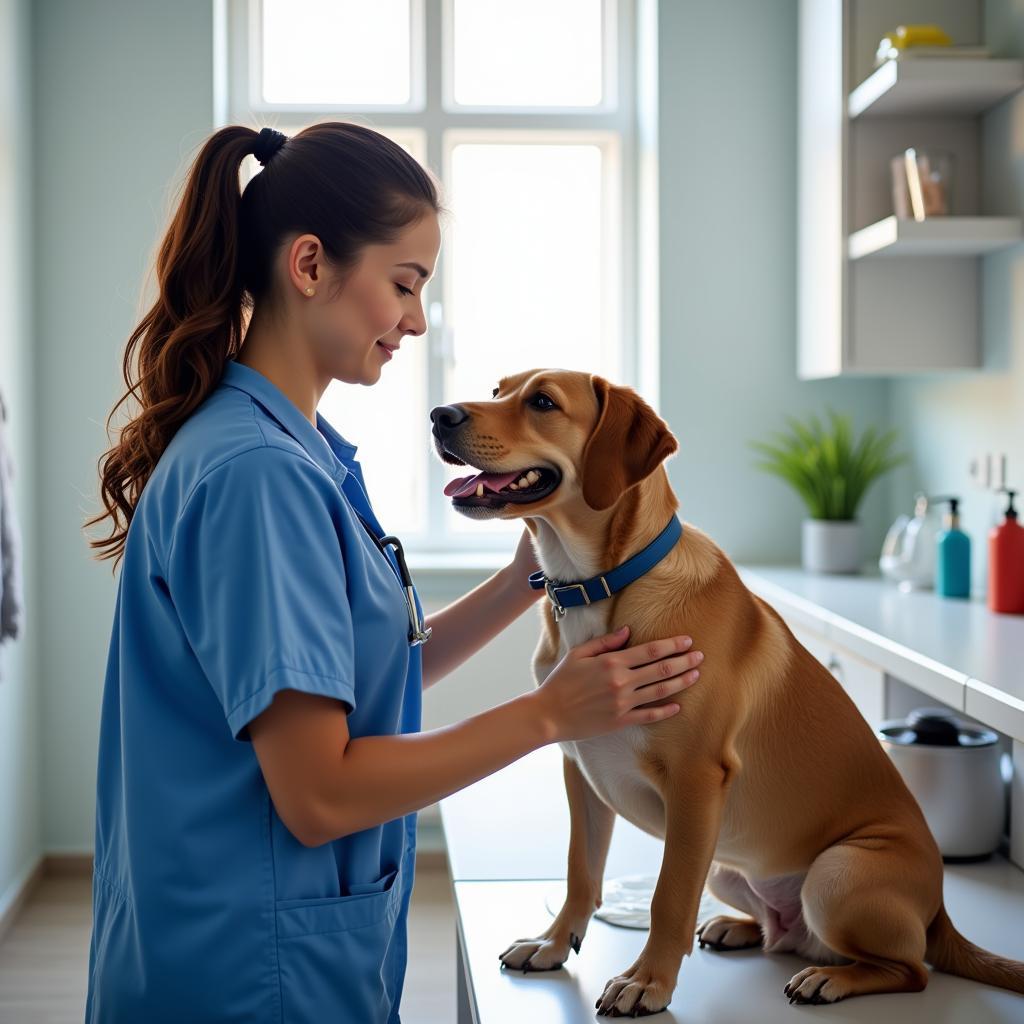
pixel 10 542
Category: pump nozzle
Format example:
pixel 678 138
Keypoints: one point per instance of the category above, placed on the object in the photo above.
pixel 952 517
pixel 1011 512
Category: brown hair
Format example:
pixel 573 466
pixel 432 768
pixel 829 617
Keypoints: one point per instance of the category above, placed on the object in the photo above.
pixel 348 185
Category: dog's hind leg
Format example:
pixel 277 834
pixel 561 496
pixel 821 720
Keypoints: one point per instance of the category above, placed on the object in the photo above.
pixel 724 933
pixel 591 823
pixel 869 901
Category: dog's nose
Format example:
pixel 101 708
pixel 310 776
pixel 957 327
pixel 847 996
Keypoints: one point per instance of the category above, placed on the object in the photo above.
pixel 447 417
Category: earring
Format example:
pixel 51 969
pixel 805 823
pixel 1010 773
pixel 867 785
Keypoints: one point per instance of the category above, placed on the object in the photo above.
pixel 310 291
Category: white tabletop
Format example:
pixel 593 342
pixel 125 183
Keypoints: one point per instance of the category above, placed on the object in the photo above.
pixel 985 901
pixel 507 840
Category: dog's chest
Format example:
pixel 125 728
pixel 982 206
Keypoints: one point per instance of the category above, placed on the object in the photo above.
pixel 612 763
pixel 581 624
pixel 613 766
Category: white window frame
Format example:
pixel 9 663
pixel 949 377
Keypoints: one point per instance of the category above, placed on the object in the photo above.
pixel 616 125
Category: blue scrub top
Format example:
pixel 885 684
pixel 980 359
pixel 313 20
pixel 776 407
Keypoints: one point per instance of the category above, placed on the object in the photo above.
pixel 246 572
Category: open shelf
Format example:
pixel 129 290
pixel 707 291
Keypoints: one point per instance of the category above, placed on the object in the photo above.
pixel 937 236
pixel 875 295
pixel 936 85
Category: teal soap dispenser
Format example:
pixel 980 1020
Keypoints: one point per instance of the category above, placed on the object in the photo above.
pixel 953 555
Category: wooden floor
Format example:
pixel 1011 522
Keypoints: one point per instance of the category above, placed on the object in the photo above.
pixel 44 957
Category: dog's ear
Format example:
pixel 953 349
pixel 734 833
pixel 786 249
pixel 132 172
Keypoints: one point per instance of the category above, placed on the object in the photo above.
pixel 628 444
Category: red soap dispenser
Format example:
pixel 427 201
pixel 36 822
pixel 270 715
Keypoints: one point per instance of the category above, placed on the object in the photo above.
pixel 1006 562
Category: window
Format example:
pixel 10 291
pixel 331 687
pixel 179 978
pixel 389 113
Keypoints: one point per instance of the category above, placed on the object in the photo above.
pixel 532 53
pixel 527 113
pixel 309 54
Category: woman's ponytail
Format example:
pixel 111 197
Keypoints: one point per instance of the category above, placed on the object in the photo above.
pixel 348 185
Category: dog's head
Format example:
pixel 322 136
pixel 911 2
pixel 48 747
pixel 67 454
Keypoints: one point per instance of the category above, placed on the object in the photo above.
pixel 547 439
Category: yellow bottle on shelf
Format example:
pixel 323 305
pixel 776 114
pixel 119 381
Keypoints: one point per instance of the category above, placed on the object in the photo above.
pixel 906 37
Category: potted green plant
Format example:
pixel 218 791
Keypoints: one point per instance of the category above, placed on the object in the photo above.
pixel 831 470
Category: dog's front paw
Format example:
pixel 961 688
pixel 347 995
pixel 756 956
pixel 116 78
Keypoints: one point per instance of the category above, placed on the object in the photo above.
pixel 638 992
pixel 725 934
pixel 545 953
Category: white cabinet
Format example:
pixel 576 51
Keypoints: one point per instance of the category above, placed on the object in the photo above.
pixel 876 297
pixel 1017 806
pixel 864 683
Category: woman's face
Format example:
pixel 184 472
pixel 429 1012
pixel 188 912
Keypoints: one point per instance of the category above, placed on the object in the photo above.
pixel 380 302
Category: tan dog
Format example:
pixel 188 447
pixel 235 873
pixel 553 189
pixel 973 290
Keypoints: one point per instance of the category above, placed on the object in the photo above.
pixel 768 782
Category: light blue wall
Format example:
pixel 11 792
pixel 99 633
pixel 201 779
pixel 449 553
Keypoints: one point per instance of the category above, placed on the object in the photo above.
pixel 140 75
pixel 20 833
pixel 728 259
pixel 124 93
pixel 951 419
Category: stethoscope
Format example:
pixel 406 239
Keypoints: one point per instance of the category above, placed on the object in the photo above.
pixel 419 632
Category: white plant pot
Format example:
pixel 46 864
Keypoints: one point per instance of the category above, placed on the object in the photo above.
pixel 831 545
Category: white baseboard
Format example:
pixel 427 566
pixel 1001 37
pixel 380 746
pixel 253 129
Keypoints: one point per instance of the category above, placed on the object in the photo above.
pixel 18 892
pixel 69 864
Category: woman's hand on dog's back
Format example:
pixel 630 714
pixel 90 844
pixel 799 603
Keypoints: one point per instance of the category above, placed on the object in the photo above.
pixel 598 687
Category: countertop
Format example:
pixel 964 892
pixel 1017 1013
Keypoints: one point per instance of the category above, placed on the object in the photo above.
pixel 957 651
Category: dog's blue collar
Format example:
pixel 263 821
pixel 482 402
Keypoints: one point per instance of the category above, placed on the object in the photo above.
pixel 597 588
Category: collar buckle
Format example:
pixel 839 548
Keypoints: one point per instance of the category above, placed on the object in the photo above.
pixel 557 608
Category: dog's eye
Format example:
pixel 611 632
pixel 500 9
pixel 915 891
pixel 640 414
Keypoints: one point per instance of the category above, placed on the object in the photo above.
pixel 542 402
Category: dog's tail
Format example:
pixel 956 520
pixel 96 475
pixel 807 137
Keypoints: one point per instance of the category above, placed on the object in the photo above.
pixel 950 952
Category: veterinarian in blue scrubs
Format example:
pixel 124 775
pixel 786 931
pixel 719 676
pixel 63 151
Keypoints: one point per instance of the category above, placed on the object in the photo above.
pixel 253 575
pixel 261 759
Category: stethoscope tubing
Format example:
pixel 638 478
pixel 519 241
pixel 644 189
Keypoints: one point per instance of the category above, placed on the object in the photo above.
pixel 418 631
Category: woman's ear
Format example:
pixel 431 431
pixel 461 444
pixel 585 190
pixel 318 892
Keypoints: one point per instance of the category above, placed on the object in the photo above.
pixel 628 444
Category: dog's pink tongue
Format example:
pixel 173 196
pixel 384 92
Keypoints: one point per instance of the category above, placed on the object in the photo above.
pixel 464 486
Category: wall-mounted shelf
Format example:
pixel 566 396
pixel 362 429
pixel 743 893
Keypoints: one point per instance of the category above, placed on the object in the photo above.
pixel 938 236
pixel 877 296
pixel 935 85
